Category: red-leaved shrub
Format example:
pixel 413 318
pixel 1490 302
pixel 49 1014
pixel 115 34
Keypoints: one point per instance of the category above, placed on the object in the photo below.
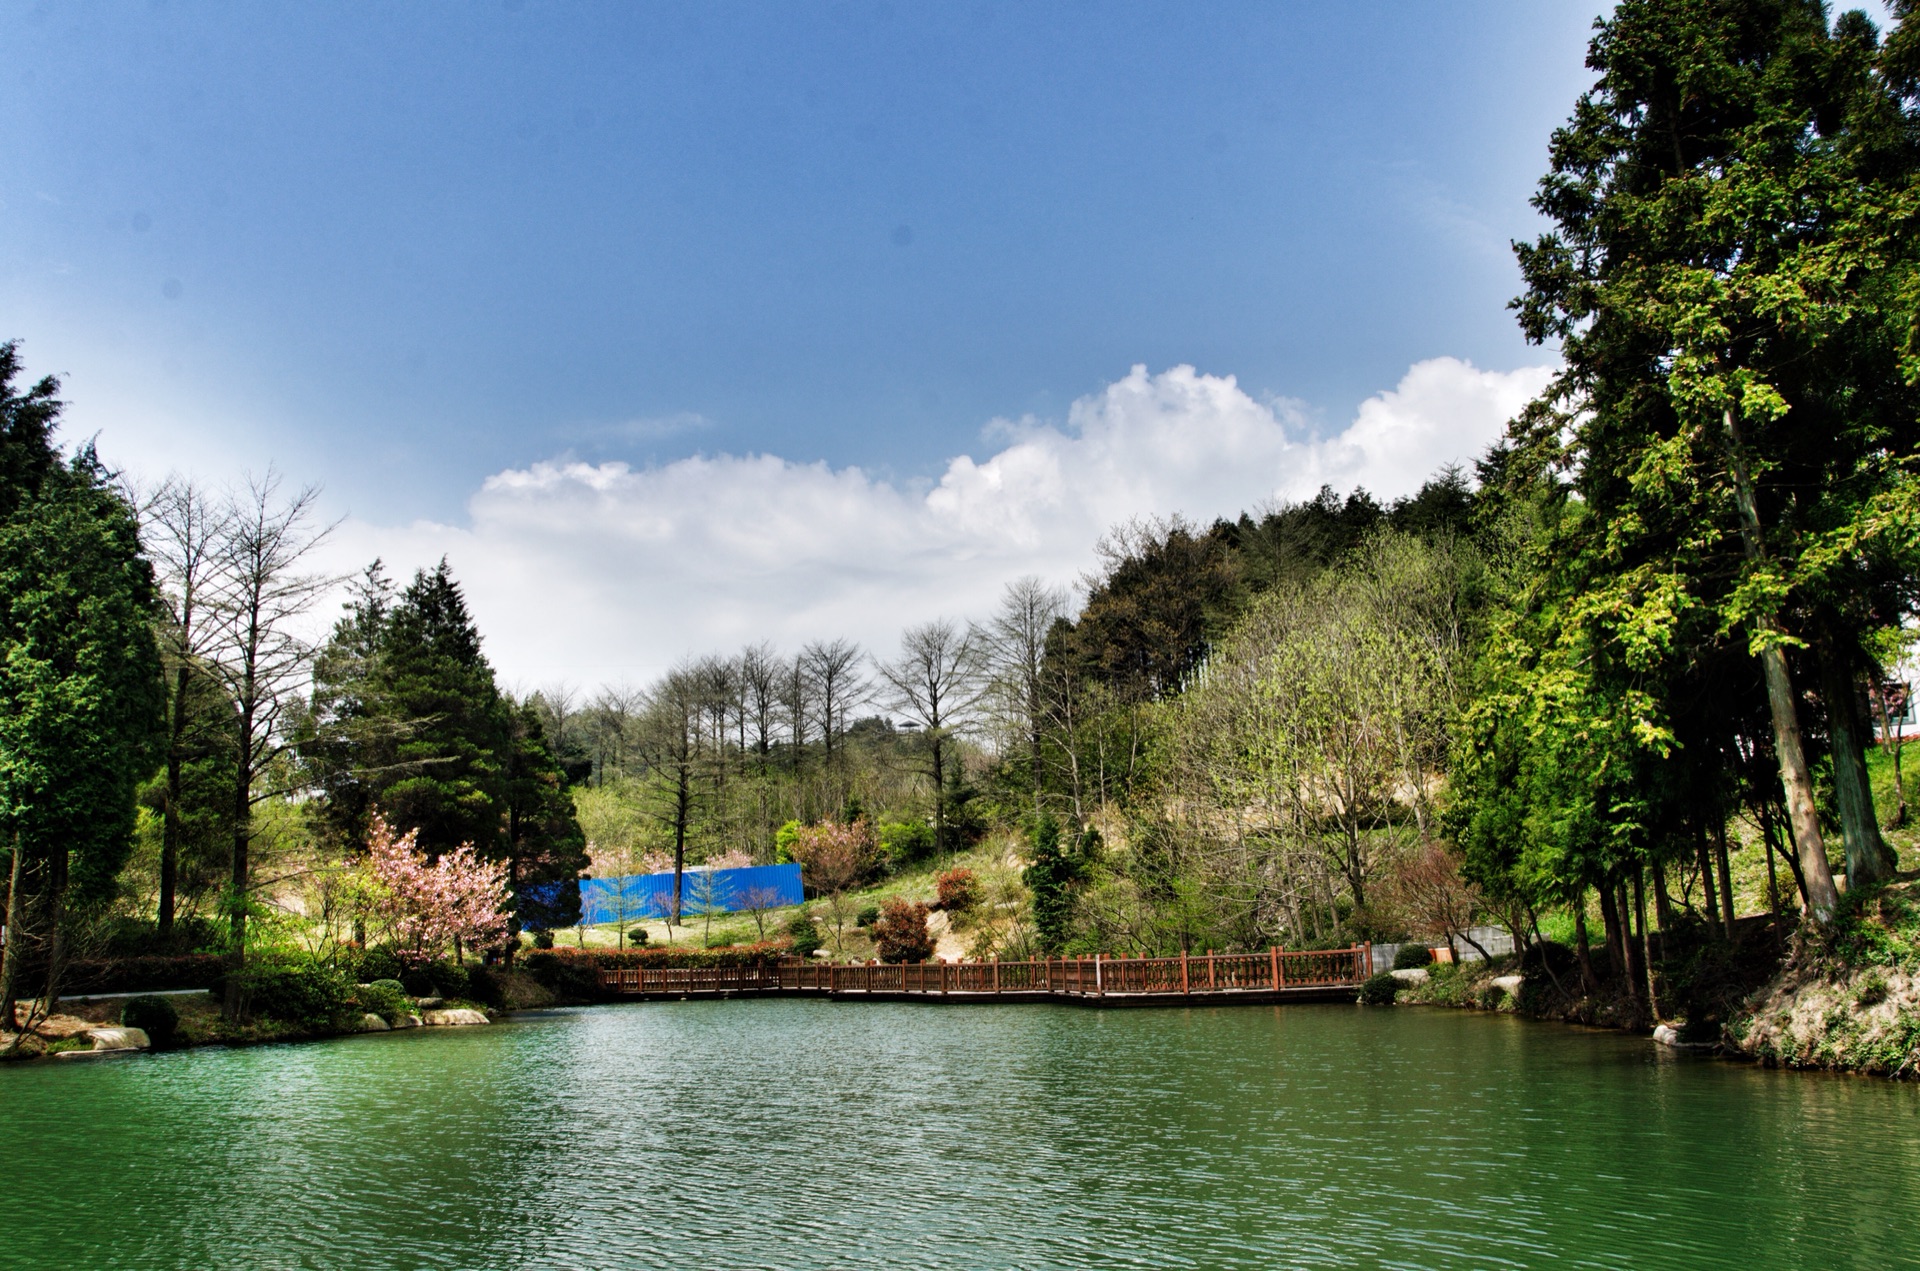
pixel 901 933
pixel 955 892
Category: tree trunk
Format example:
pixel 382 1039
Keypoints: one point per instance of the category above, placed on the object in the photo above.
pixel 1582 946
pixel 1662 902
pixel 1630 944
pixel 1868 860
pixel 1727 914
pixel 238 869
pixel 1646 940
pixel 1709 900
pixel 170 826
pixel 10 953
pixel 1890 742
pixel 1796 781
pixel 1770 828
pixel 1610 925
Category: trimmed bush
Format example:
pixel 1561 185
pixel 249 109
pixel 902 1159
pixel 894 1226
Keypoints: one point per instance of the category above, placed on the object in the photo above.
pixel 804 933
pixel 1412 956
pixel 380 963
pixel 313 997
pixel 901 933
pixel 1379 990
pixel 543 939
pixel 956 891
pixel 154 1016
pixel 386 998
pixel 868 915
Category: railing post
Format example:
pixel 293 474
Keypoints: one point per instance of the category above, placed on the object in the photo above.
pixel 1276 968
pixel 1183 972
pixel 996 973
pixel 1099 979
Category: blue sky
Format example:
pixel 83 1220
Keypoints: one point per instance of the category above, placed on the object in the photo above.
pixel 423 253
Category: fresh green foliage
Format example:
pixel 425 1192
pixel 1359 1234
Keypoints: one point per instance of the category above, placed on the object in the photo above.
pixel 906 843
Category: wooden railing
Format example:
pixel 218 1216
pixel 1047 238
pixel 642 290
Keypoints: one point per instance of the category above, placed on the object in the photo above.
pixel 1186 974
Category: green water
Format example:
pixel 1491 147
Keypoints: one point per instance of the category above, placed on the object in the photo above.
pixel 809 1134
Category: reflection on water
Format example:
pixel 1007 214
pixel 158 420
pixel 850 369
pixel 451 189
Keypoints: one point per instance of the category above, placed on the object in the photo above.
pixel 809 1134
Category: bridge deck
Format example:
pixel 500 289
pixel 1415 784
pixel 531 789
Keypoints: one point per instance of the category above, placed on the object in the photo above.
pixel 1246 978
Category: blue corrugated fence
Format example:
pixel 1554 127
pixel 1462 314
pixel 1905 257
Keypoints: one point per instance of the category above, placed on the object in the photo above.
pixel 636 896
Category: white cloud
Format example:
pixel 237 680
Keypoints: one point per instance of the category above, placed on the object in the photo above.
pixel 593 573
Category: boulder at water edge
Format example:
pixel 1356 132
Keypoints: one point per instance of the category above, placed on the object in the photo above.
pixel 371 1023
pixel 455 1017
pixel 1509 984
pixel 1411 975
pixel 117 1037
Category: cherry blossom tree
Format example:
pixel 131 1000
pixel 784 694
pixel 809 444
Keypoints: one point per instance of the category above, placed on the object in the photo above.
pixel 431 904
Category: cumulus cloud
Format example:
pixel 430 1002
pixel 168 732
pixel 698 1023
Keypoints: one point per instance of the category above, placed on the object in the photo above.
pixel 599 572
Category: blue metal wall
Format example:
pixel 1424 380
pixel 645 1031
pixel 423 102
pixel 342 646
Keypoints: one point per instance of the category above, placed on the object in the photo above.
pixel 651 895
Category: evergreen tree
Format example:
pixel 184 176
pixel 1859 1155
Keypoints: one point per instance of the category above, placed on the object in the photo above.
pixel 80 705
pixel 456 750
pixel 546 852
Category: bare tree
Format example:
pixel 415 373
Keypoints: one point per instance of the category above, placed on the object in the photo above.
pixel 259 591
pixel 936 682
pixel 798 691
pixel 184 533
pixel 610 728
pixel 761 673
pixel 670 741
pixel 834 668
pixel 1014 643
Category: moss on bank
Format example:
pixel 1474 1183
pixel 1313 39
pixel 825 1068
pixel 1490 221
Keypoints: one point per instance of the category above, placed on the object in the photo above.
pixel 1845 999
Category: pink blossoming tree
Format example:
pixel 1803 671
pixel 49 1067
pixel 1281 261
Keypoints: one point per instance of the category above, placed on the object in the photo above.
pixel 430 904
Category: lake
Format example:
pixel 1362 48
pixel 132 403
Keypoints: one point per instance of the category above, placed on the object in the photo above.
pixel 790 1134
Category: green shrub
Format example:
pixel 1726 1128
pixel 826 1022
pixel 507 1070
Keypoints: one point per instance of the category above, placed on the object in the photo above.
pixel 543 939
pixel 385 998
pixel 154 1016
pixel 1410 956
pixel 1379 990
pixel 868 915
pixel 304 993
pixel 380 963
pixel 783 839
pixel 804 932
pixel 905 842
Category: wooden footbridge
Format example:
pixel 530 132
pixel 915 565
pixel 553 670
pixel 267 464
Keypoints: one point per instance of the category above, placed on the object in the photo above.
pixel 1247 978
